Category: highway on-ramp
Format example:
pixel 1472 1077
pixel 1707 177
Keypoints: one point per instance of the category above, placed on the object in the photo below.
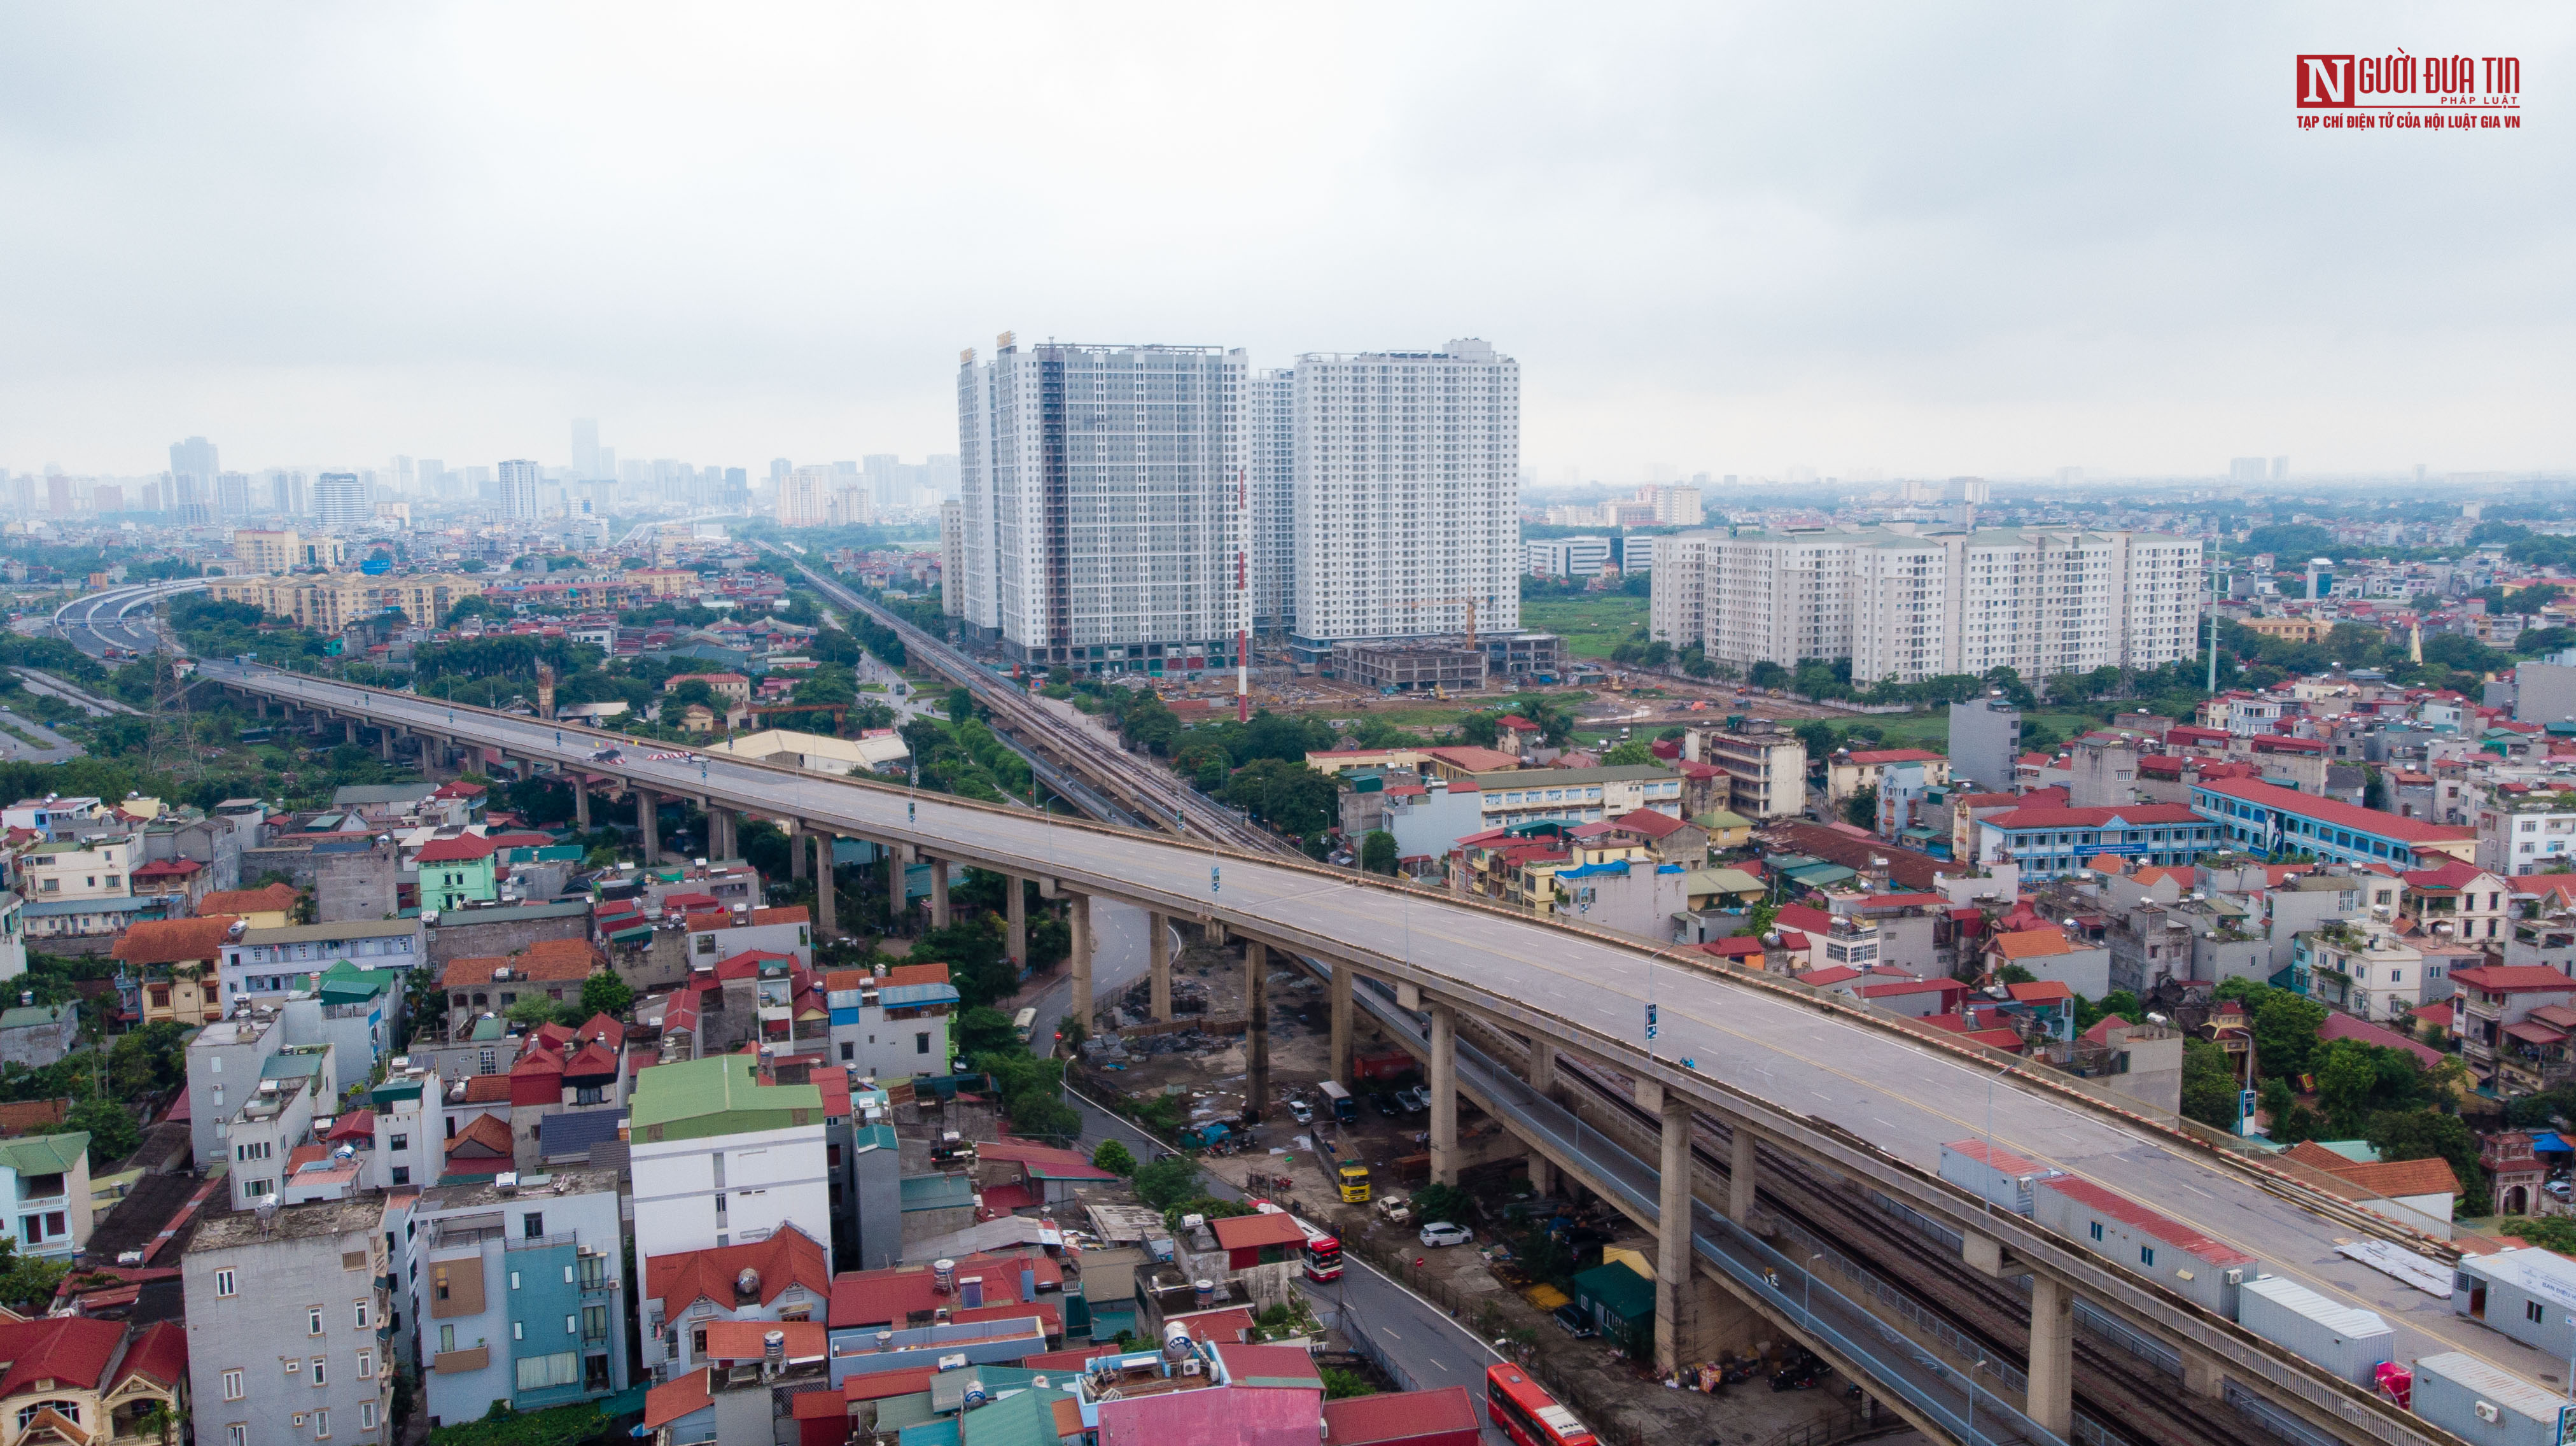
pixel 1903 1095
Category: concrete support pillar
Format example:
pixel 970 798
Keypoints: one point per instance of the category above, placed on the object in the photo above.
pixel 1673 1237
pixel 939 893
pixel 2203 1376
pixel 1542 1065
pixel 428 756
pixel 385 744
pixel 827 888
pixel 1158 965
pixel 720 824
pixel 1016 910
pixel 1740 1176
pixel 1077 917
pixel 1343 978
pixel 350 727
pixel 1256 1032
pixel 1444 1094
pixel 795 850
pixel 647 823
pixel 580 802
pixel 1542 1173
pixel 892 858
pixel 2051 1405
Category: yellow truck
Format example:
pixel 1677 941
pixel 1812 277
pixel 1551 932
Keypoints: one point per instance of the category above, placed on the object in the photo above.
pixel 1353 1178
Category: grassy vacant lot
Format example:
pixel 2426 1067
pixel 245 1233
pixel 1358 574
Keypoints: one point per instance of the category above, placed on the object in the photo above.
pixel 1591 626
pixel 1932 730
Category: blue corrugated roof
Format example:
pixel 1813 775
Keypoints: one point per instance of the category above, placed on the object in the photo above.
pixel 2549 1140
pixel 905 995
pixel 53 908
pixel 573 1133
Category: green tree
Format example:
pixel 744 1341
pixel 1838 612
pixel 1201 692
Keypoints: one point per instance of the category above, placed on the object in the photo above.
pixel 828 687
pixel 113 1134
pixel 985 1030
pixel 1861 809
pixel 26 1282
pixel 1436 1202
pixel 1767 674
pixel 1165 1182
pixel 2285 1033
pixel 1377 852
pixel 1820 738
pixel 1341 1384
pixel 1290 797
pixel 961 704
pixel 2430 1134
pixel 1633 753
pixel 2208 1089
pixel 605 993
pixel 1114 1158
pixel 680 695
pixel 1477 729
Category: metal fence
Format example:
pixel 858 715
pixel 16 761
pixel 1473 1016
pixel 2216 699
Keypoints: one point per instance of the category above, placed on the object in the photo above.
pixel 1355 1329
pixel 2274 1421
pixel 1993 1375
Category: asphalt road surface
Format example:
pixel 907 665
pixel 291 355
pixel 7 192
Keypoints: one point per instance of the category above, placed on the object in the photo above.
pixel 1904 1097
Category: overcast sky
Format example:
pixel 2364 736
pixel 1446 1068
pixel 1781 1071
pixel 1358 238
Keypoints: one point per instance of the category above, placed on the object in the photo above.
pixel 1914 239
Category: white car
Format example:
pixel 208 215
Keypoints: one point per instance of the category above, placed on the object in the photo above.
pixel 1441 1232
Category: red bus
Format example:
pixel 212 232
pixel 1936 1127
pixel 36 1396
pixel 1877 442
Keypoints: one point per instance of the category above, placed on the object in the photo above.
pixel 1527 1413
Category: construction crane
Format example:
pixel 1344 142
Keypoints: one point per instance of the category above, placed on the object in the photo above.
pixel 1466 602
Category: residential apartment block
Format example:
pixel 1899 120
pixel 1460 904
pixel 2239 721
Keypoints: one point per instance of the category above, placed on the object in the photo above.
pixel 719 1158
pixel 1905 606
pixel 516 1293
pixel 289 1324
pixel 1406 495
pixel 1104 504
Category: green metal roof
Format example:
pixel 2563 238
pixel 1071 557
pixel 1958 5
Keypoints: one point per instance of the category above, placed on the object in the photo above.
pixel 936 1192
pixel 33 1016
pixel 721 1096
pixel 44 1154
pixel 1618 1290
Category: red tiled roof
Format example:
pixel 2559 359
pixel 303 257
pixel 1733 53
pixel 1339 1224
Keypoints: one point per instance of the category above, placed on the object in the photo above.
pixel 71 1350
pixel 2513 978
pixel 741 1340
pixel 487 1132
pixel 1739 946
pixel 274 899
pixel 2133 814
pixel 1043 1161
pixel 159 1354
pixel 487 1089
pixel 2342 815
pixel 2451 875
pixel 2340 1025
pixel 680 1396
pixel 1902 987
pixel 462 848
pixel 884 1385
pixel 2046 991
pixel 2172 1232
pixel 1897 755
pixel 2032 943
pixel 902 975
pixel 787 1258
pixel 168 869
pixel 1650 823
pixel 1250 1232
pixel 174 941
pixel 875 1297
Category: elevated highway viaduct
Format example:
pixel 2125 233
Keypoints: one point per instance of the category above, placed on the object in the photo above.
pixel 1745 1069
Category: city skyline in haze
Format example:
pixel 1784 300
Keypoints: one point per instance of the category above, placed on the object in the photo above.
pixel 1978 240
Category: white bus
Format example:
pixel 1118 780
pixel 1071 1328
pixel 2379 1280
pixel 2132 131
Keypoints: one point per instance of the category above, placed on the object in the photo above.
pixel 1026 1024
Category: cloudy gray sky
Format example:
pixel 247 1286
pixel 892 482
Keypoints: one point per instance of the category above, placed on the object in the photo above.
pixel 1921 239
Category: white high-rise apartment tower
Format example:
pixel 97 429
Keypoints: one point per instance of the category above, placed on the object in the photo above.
pixel 519 479
pixel 1407 494
pixel 1103 494
pixel 1274 501
pixel 341 499
pixel 1906 606
pixel 804 494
